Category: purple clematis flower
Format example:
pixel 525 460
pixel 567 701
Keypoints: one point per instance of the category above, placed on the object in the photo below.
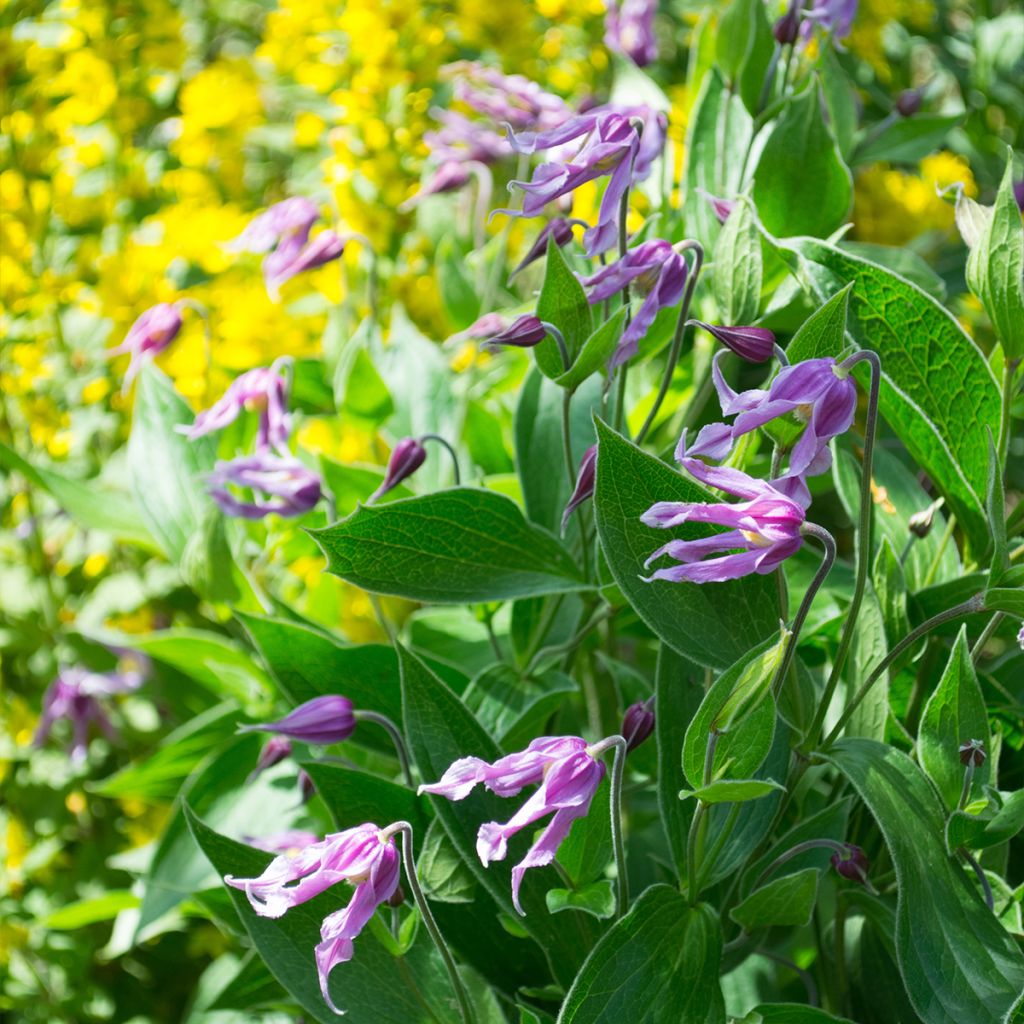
pixel 461 140
pixel 584 489
pixel 610 147
pixel 406 457
pixel 558 229
pixel 853 866
pixel 325 720
pixel 568 776
pixel 721 208
pixel 263 390
pixel 524 332
pixel 291 841
pixel 755 344
pixel 506 98
pixel 365 856
pixel 284 228
pixel 74 695
pixel 765 528
pixel 820 396
pixel 450 176
pixel 654 269
pixel 834 16
pixel 280 483
pixel 629 29
pixel 154 330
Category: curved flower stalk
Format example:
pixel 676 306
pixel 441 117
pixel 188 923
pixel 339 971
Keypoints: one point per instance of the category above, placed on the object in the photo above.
pixel 283 231
pixel 610 144
pixel 567 769
pixel 765 528
pixel 818 392
pixel 657 271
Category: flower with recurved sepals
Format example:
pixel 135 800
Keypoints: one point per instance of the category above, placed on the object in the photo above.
pixel 568 774
pixel 629 29
pixel 262 390
pixel 279 483
pixel 365 856
pixel 764 528
pixel 154 330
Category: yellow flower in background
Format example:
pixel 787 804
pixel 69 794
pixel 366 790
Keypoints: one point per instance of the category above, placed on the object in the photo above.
pixel 866 38
pixel 892 207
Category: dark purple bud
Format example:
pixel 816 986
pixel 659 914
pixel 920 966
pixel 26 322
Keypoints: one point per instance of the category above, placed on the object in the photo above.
pixel 1018 194
pixel 406 457
pixel 559 229
pixel 787 28
pixel 397 898
pixel 853 866
pixel 920 523
pixel 307 789
pixel 323 720
pixel 638 723
pixel 972 753
pixel 524 332
pixel 584 484
pixel 274 751
pixel 908 103
pixel 755 344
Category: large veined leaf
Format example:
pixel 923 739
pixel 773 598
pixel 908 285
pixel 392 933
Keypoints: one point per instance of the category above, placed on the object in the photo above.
pixel 457 546
pixel 441 730
pixel 788 900
pixel 957 961
pixel 563 303
pixel 657 965
pixel 713 624
pixel 736 282
pixel 938 393
pixel 165 468
pixel 801 185
pixel 373 988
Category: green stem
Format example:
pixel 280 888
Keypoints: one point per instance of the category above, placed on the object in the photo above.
pixel 723 837
pixel 1009 369
pixel 451 451
pixel 937 560
pixel 618 844
pixel 863 539
pixel 965 792
pixel 567 437
pixel 396 738
pixel 973 604
pixel 986 635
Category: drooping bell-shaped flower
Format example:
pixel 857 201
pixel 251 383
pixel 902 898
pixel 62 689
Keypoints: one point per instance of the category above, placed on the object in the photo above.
pixel 568 776
pixel 853 866
pixel 324 720
pixel 972 753
pixel 754 344
pixel 525 331
pixel 290 259
pixel 263 390
pixel 656 271
pixel 406 457
pixel 584 489
pixel 460 140
pixel 279 483
pixel 629 29
pixel 151 333
pixel 511 99
pixel 365 856
pixel 764 528
pixel 610 144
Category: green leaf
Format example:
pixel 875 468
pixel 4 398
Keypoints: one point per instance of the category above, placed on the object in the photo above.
pixel 732 791
pixel 788 901
pixel 165 468
pixel 354 797
pixel 743 740
pixel 758 58
pixel 373 988
pixel 954 714
pixel 596 899
pixel 869 647
pixel 791 1013
pixel 991 827
pixel 459 294
pixel 362 392
pixel 840 97
pixel 736 281
pixel 957 962
pixel 712 624
pixel 596 351
pixel 89 504
pixel 442 873
pixel 586 852
pixel 801 185
pixel 662 956
pixel 458 546
pixel 823 333
pixel 890 587
pixel 1005 599
pixel 735 37
pixel 562 302
pixel 90 911
pixel 937 392
pixel 306 664
pixel 511 708
pixel 350 485
pixel 253 986
pixel 995 267
pixel 906 140
pixel 160 774
pixel 677 696
pixel 441 730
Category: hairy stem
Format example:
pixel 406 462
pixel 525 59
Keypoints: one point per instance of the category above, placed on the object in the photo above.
pixel 396 738
pixel 451 451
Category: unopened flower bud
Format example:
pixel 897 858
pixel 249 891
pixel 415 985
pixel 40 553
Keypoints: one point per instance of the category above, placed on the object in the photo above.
pixel 853 866
pixel 406 457
pixel 1018 194
pixel 307 789
pixel 558 229
pixel 787 28
pixel 908 103
pixel 584 484
pixel 524 332
pixel 972 753
pixel 274 751
pixel 397 898
pixel 755 344
pixel 321 720
pixel 920 523
pixel 637 723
